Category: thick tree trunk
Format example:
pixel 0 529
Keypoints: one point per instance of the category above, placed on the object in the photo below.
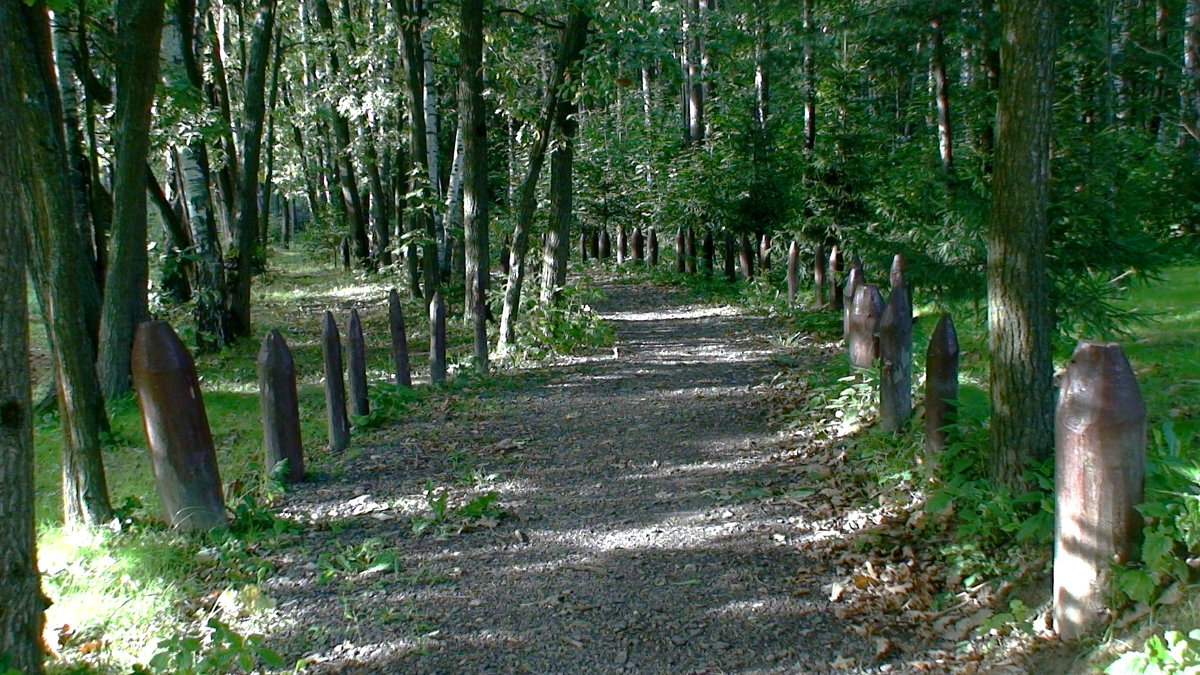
pixel 558 236
pixel 21 619
pixel 1019 312
pixel 573 40
pixel 253 118
pixel 139 27
pixel 474 183
pixel 58 271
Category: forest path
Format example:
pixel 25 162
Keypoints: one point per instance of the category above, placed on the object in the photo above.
pixel 637 536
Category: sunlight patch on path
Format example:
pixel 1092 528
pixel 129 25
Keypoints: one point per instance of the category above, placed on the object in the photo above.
pixel 673 314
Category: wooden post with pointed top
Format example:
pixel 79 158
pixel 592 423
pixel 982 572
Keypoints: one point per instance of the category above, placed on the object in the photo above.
pixel 730 257
pixel 689 245
pixel 622 245
pixel 941 386
pixel 399 339
pixel 853 281
pixel 708 254
pixel 344 247
pixel 862 343
pixel 835 271
pixel 895 360
pixel 1100 463
pixel 583 247
pixel 605 245
pixel 359 403
pixel 639 246
pixel 182 455
pixel 793 274
pixel 280 408
pixel 335 385
pixel 652 245
pixel 899 268
pixel 764 254
pixel 437 340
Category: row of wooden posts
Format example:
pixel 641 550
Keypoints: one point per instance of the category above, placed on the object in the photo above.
pixel 1100 420
pixel 182 454
pixel 1100 431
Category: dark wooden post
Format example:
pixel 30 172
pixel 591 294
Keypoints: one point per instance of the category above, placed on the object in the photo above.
pixel 1100 459
pixel 746 257
pixel 280 408
pixel 359 404
pixel 639 246
pixel 680 254
pixel 176 425
pixel 345 249
pixel 895 360
pixel 730 257
pixel 689 244
pixel 764 253
pixel 941 386
pixel 605 245
pixel 853 281
pixel 437 340
pixel 835 282
pixel 864 322
pixel 622 245
pixel 594 244
pixel 335 386
pixel 583 247
pixel 652 245
pixel 793 274
pixel 505 251
pixel 818 273
pixel 399 339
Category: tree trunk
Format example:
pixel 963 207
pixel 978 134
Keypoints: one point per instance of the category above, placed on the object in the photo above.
pixel 1190 116
pixel 474 183
pixel 20 589
pixel 937 64
pixel 573 40
pixel 808 69
pixel 412 19
pixel 1019 312
pixel 558 236
pixel 139 27
pixel 253 118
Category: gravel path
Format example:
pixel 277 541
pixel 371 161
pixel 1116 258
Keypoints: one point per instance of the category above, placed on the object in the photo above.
pixel 628 544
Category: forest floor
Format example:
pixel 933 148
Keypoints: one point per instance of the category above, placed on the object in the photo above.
pixel 648 516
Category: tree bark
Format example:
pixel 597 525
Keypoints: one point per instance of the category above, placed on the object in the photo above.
pixel 139 28
pixel 412 18
pixel 1019 312
pixel 569 50
pixel 558 236
pixel 937 64
pixel 253 118
pixel 474 183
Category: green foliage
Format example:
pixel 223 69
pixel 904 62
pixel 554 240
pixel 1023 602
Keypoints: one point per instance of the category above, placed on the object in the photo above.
pixel 1018 617
pixel 1172 654
pixel 1172 513
pixel 369 557
pixel 221 650
pixel 568 327
pixel 389 403
pixel 442 519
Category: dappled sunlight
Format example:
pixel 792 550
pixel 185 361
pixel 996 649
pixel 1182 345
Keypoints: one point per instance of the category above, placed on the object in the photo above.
pixel 680 314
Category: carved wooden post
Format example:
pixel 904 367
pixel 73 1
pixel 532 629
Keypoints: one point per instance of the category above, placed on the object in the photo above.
pixel 730 250
pixel 899 267
pixel 818 274
pixel 594 244
pixel 854 280
pixel 345 249
pixel 335 386
pixel 793 274
pixel 399 339
pixel 1100 458
pixel 437 340
pixel 176 425
pixel 622 245
pixel 941 386
pixel 652 244
pixel 864 321
pixel 764 254
pixel 680 255
pixel 359 404
pixel 639 246
pixel 895 360
pixel 583 247
pixel 605 245
pixel 280 408
pixel 746 257
pixel 835 272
